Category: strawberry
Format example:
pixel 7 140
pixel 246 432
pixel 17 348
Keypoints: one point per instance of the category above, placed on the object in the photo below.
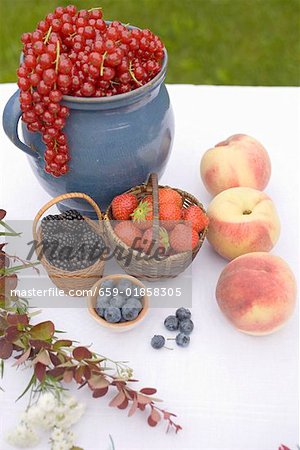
pixel 128 233
pixel 148 199
pixel 169 214
pixel 168 195
pixel 147 240
pixel 123 205
pixel 183 238
pixel 142 216
pixel 197 217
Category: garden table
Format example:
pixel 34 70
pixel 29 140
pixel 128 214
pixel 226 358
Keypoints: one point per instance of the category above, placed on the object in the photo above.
pixel 230 391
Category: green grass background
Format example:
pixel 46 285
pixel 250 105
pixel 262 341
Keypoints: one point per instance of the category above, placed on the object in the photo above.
pixel 244 42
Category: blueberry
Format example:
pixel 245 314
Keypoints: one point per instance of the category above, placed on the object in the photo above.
pixel 112 314
pixel 130 311
pixel 125 287
pixel 186 326
pixel 134 303
pixel 183 313
pixel 137 292
pixel 182 340
pixel 101 304
pixel 117 301
pixel 107 287
pixel 158 341
pixel 171 323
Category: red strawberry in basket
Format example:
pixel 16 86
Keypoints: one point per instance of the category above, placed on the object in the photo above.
pixel 169 215
pixel 168 195
pixel 147 240
pixel 128 233
pixel 123 206
pixel 142 216
pixel 196 217
pixel 183 238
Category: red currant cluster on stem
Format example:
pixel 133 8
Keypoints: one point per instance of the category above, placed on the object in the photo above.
pixel 76 53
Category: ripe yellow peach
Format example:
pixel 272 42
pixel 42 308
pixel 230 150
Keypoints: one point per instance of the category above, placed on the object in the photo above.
pixel 242 220
pixel 240 160
pixel 257 293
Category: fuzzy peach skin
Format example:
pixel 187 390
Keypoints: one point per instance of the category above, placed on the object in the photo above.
pixel 240 160
pixel 257 293
pixel 242 220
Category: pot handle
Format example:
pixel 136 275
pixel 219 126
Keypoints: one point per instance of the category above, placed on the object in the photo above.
pixel 10 120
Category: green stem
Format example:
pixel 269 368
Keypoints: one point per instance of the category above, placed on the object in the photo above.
pixel 112 443
pixel 1 368
pixel 7 227
pixel 10 270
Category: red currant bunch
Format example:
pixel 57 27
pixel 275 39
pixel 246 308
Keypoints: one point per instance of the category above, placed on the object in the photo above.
pixel 77 53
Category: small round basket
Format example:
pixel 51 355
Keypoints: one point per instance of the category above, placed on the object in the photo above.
pixel 71 282
pixel 149 268
pixel 120 326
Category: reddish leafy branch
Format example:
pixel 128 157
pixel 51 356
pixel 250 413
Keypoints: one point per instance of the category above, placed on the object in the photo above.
pixel 58 359
pixel 55 360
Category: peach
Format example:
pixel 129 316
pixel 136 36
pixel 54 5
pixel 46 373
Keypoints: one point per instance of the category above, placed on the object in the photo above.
pixel 242 220
pixel 257 293
pixel 240 160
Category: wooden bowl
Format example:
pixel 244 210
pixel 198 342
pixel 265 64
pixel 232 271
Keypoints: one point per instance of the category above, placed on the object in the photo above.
pixel 120 326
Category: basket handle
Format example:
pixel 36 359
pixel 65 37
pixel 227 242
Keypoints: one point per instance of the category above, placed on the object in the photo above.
pixel 152 189
pixel 58 199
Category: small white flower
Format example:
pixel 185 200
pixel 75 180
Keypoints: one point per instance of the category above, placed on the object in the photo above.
pixel 125 373
pixel 60 446
pixel 23 436
pixel 61 438
pixel 70 401
pixel 47 402
pixel 49 413
pixel 48 421
pixel 73 416
pixel 57 434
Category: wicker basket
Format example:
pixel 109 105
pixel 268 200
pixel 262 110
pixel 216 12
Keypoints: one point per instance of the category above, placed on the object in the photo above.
pixel 151 269
pixel 78 280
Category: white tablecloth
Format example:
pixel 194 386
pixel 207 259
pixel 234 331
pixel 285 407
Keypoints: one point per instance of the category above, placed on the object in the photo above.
pixel 230 391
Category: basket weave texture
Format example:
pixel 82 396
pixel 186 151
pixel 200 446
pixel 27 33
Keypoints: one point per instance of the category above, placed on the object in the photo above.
pixel 151 269
pixel 70 281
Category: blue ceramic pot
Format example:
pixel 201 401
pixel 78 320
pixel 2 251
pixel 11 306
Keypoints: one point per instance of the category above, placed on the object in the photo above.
pixel 115 142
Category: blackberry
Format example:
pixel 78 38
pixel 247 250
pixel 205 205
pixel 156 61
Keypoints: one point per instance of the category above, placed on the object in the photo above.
pixel 72 214
pixel 66 239
pixel 69 242
pixel 93 245
pixel 50 226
